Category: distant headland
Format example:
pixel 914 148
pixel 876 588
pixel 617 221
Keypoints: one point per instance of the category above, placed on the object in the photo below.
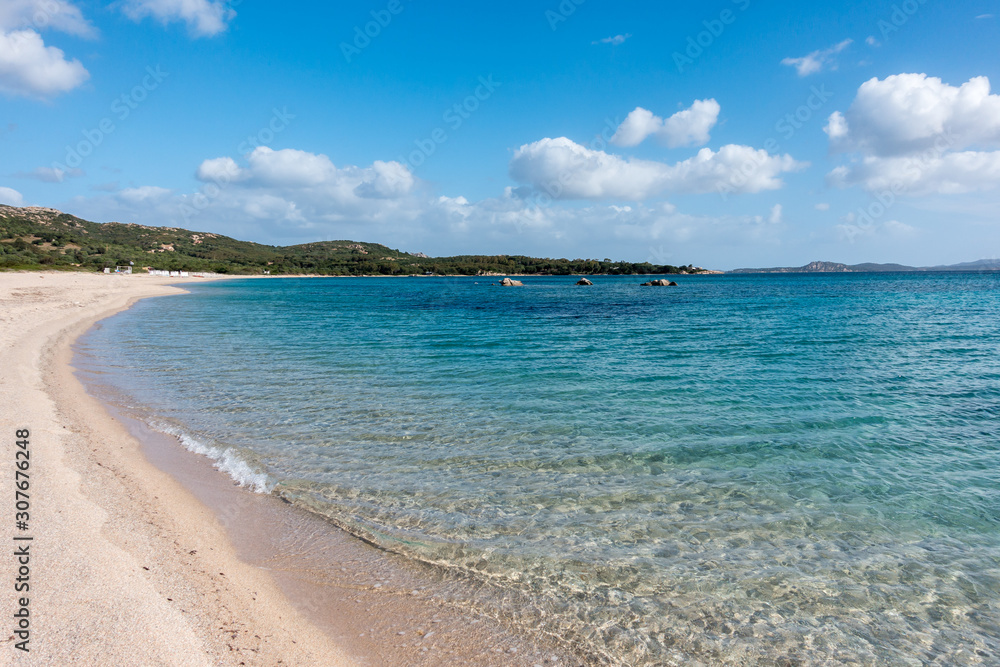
pixel 834 267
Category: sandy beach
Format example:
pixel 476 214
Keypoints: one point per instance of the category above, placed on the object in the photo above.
pixel 126 567
pixel 142 554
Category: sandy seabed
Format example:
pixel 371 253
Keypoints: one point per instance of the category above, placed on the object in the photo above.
pixel 128 566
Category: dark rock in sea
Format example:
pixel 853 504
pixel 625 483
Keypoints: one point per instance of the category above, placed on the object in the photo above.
pixel 584 281
pixel 507 282
pixel 662 282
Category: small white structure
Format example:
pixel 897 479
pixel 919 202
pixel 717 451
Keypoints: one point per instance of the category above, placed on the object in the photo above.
pixel 124 269
pixel 169 274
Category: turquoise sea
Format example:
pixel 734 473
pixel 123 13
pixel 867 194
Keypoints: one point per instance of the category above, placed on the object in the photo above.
pixel 758 469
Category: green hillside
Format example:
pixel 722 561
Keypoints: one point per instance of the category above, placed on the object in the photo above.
pixel 36 238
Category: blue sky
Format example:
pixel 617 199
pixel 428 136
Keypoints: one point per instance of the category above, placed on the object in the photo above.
pixel 725 134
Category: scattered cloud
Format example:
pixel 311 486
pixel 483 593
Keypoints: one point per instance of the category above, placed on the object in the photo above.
pixel 817 60
pixel 11 197
pixel 221 169
pixel 106 187
pixel 204 18
pixel 871 41
pixel 51 174
pixel 40 15
pixel 984 16
pixel 689 127
pixel 288 192
pixel 822 206
pixel 564 169
pixel 616 40
pixel 295 170
pixel 145 193
pixel 897 228
pixel 852 230
pixel 438 224
pixel 913 133
pixel 907 113
pixel 28 68
pixel 948 173
pixel 294 196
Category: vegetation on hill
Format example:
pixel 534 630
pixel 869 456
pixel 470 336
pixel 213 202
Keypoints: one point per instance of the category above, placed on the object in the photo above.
pixel 33 238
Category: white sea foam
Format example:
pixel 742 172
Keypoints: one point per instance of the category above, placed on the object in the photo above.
pixel 226 459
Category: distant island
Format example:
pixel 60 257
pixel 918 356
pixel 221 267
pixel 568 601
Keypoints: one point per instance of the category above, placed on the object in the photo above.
pixel 44 238
pixel 833 267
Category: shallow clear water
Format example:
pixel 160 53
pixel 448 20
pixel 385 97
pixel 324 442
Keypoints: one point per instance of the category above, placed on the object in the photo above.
pixel 740 470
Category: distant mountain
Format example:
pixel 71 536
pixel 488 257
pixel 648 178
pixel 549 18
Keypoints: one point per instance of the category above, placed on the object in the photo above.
pixel 981 265
pixel 33 238
pixel 834 267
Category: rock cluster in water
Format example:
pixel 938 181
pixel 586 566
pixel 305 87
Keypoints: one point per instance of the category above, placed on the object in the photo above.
pixel 662 282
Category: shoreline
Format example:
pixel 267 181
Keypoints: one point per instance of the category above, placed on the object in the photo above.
pixel 141 533
pixel 128 568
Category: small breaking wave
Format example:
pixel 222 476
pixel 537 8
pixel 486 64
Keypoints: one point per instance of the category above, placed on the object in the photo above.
pixel 225 459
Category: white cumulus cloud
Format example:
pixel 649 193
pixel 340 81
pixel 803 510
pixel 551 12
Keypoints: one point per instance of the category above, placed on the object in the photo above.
pixel 566 170
pixel 290 169
pixel 907 113
pixel 29 68
pixel 40 15
pixel 949 173
pixel 385 180
pixel 817 60
pixel 439 224
pixel 204 18
pixel 689 127
pixel 297 190
pixel 915 134
pixel 219 170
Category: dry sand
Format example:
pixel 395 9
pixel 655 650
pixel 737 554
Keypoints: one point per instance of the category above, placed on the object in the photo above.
pixel 127 568
pixel 145 555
